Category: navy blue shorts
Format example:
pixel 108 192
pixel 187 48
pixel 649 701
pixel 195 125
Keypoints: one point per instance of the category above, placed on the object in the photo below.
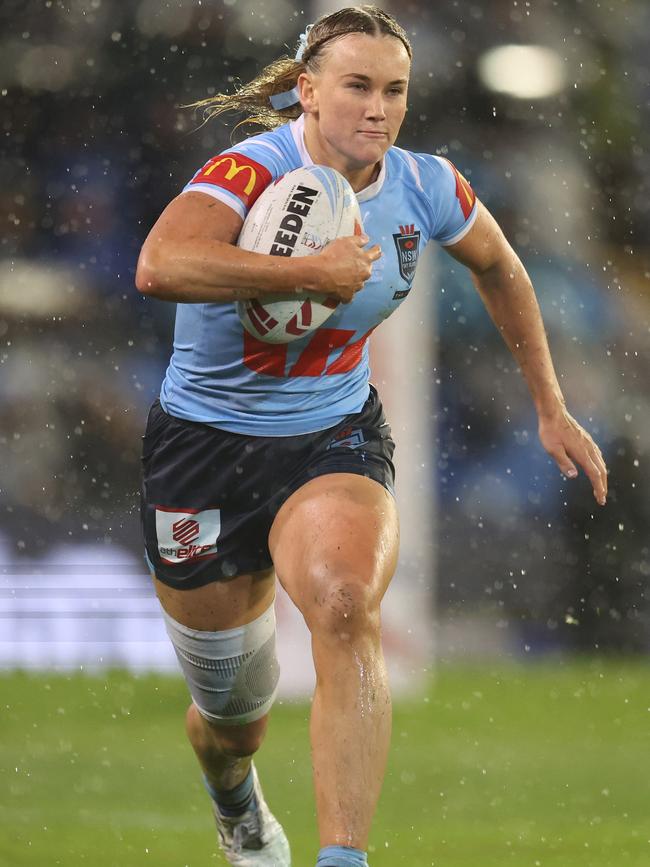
pixel 209 497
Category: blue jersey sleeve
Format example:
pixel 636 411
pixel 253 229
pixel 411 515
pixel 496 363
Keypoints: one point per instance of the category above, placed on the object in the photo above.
pixel 238 176
pixel 452 200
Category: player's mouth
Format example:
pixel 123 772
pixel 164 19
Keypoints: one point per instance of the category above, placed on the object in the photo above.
pixel 373 133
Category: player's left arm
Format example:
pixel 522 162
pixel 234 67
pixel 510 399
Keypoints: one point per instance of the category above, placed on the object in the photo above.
pixel 508 294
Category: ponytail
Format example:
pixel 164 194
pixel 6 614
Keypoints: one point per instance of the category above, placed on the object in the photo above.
pixel 253 98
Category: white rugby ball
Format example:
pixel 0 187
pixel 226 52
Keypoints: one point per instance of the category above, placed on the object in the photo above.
pixel 297 215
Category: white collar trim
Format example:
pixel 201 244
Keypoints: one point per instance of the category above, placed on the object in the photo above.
pixel 298 133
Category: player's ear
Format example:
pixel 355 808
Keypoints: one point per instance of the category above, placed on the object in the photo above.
pixel 307 92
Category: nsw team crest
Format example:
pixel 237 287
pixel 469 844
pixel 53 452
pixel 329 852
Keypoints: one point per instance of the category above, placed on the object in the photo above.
pixel 407 243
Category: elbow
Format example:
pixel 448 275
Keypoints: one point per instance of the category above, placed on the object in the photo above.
pixel 144 282
pixel 148 276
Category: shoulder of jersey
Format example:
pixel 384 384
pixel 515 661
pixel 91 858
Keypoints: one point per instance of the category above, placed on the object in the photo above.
pixel 241 173
pixel 432 174
pixel 415 168
pixel 275 149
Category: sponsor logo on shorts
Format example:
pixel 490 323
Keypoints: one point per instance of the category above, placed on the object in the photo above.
pixel 349 438
pixel 407 242
pixel 187 534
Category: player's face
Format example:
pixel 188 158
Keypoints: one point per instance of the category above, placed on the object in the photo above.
pixel 356 103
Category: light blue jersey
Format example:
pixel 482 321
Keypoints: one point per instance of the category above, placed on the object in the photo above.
pixel 222 376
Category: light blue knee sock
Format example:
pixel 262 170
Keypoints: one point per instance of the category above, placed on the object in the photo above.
pixel 341 856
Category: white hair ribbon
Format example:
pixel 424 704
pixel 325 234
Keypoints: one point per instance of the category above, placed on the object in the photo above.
pixel 302 42
pixel 291 97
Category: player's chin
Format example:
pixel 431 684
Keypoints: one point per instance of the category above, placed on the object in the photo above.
pixel 371 149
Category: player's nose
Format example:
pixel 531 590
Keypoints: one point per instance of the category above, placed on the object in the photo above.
pixel 375 108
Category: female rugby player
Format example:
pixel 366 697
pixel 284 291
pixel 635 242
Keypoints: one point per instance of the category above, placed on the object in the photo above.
pixel 244 475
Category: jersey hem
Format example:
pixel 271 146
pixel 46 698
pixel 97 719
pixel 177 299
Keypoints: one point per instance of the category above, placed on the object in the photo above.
pixel 254 430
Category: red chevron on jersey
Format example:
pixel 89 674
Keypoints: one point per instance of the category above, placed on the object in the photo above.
pixel 464 193
pixel 238 174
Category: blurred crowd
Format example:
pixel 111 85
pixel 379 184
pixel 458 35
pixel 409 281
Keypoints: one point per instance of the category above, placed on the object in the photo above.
pixel 96 142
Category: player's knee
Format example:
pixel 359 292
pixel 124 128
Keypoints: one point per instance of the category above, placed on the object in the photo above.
pixel 343 608
pixel 236 741
pixel 232 675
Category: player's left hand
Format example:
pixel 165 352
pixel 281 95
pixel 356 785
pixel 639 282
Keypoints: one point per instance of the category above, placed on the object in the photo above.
pixel 567 441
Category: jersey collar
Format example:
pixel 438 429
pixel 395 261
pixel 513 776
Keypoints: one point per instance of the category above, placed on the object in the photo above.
pixel 298 133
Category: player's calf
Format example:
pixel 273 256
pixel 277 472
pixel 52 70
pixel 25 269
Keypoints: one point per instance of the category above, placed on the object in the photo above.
pixel 212 741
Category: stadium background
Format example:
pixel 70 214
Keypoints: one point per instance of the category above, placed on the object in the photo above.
pixel 96 143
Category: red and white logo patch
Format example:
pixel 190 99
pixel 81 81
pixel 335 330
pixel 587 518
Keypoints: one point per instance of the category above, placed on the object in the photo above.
pixel 187 534
pixel 238 174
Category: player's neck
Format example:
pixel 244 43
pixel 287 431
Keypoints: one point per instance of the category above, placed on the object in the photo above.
pixel 362 178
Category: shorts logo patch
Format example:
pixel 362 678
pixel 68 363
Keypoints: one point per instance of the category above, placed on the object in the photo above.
pixel 407 242
pixel 187 534
pixel 349 438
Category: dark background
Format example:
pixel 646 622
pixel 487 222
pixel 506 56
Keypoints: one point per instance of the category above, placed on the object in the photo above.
pixel 96 142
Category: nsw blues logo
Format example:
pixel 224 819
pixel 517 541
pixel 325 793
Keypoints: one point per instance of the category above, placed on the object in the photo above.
pixel 407 242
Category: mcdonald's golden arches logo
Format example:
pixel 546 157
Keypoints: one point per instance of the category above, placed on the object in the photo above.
pixel 236 173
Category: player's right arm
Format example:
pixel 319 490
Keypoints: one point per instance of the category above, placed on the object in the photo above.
pixel 190 256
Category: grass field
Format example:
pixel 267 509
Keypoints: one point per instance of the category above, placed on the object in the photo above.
pixel 542 764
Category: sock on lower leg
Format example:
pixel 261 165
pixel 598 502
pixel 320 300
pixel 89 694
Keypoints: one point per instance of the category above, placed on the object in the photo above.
pixel 232 802
pixel 341 856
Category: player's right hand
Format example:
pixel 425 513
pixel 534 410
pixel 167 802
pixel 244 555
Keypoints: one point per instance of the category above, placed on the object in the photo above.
pixel 344 266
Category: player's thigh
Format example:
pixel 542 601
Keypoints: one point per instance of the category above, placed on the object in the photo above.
pixel 223 604
pixel 337 531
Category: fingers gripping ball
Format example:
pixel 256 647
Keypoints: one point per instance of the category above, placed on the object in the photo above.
pixel 298 215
